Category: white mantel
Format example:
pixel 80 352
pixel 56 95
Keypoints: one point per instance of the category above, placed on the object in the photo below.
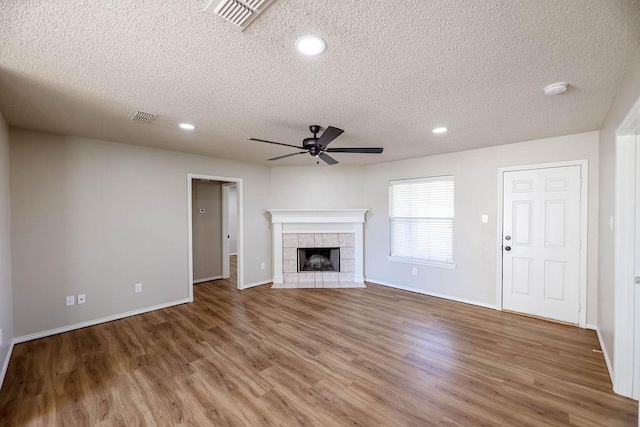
pixel 318 221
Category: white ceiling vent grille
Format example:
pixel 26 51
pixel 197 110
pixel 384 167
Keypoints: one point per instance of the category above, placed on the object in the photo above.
pixel 141 116
pixel 239 12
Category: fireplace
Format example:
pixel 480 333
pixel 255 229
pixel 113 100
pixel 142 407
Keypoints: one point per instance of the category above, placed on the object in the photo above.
pixel 319 259
pixel 321 230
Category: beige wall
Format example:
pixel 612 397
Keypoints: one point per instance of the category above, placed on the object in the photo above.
pixel 207 229
pixel 317 187
pixel 96 217
pixel 476 193
pixel 628 94
pixel 6 298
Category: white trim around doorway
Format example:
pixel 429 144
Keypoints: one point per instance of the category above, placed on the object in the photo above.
pixel 624 252
pixel 584 204
pixel 240 261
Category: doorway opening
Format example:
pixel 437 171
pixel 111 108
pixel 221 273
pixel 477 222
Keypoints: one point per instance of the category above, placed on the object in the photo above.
pixel 541 241
pixel 214 230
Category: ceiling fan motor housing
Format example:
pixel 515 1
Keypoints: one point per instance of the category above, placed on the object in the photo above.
pixel 309 142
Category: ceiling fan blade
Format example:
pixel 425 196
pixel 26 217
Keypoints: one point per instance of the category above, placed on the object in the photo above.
pixel 288 155
pixel 277 143
pixel 329 135
pixel 371 150
pixel 327 159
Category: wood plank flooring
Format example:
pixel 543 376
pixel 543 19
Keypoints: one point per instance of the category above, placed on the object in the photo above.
pixel 332 357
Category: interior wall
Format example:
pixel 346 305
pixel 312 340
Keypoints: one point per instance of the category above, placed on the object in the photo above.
pixel 628 93
pixel 476 193
pixel 207 229
pixel 97 217
pixel 317 187
pixel 6 298
pixel 233 219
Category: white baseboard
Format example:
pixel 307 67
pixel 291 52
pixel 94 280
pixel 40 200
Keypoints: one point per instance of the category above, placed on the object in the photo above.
pixel 73 327
pixel 431 294
pixel 591 327
pixel 5 364
pixel 251 285
pixel 604 352
pixel 207 279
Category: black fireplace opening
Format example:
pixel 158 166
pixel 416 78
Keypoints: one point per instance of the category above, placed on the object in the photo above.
pixel 319 259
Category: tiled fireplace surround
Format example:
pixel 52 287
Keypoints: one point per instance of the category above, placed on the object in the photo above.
pixel 296 228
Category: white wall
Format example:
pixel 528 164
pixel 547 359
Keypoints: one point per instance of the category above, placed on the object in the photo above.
pixel 628 94
pixel 207 229
pixel 96 217
pixel 316 187
pixel 476 193
pixel 6 298
pixel 233 219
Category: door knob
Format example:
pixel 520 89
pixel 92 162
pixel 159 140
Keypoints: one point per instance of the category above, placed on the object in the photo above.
pixel 507 238
pixel 507 248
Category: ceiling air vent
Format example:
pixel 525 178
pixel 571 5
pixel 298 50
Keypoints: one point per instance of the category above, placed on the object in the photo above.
pixel 141 116
pixel 239 12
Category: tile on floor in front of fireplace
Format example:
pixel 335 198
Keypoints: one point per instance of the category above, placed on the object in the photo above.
pixel 307 277
pixel 331 285
pixel 288 285
pixel 328 276
pixel 345 277
pixel 304 285
pixel 344 285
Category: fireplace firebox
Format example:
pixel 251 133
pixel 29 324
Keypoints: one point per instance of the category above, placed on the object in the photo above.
pixel 319 259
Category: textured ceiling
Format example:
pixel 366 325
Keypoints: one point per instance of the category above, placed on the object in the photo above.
pixel 392 71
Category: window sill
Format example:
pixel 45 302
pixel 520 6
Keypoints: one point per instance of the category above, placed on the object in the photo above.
pixel 449 265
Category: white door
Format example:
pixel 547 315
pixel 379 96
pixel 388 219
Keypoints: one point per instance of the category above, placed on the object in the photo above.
pixel 541 242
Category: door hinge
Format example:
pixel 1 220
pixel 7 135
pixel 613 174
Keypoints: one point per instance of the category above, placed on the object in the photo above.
pixel 637 280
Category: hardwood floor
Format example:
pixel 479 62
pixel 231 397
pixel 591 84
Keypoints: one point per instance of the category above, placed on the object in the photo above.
pixel 371 357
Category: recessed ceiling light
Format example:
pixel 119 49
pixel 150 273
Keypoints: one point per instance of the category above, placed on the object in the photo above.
pixel 556 88
pixel 440 130
pixel 187 126
pixel 310 45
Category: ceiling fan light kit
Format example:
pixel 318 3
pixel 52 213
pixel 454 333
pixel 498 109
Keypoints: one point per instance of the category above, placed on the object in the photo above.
pixel 317 146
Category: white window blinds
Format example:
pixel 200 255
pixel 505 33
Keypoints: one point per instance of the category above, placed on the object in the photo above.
pixel 421 219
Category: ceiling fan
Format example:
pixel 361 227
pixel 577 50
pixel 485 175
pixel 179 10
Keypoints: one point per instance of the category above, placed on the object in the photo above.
pixel 317 146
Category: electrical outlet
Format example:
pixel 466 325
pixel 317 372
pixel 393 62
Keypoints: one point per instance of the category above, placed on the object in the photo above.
pixel 81 299
pixel 414 271
pixel 262 266
pixel 138 288
pixel 71 300
pixel 485 218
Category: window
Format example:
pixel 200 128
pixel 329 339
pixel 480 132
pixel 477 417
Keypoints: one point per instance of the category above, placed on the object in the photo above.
pixel 421 220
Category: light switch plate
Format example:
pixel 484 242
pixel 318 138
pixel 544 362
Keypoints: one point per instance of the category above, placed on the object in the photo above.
pixel 138 288
pixel 485 218
pixel 71 300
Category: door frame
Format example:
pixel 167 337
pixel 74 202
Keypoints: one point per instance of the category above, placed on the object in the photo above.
pixel 584 204
pixel 226 252
pixel 624 253
pixel 240 265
